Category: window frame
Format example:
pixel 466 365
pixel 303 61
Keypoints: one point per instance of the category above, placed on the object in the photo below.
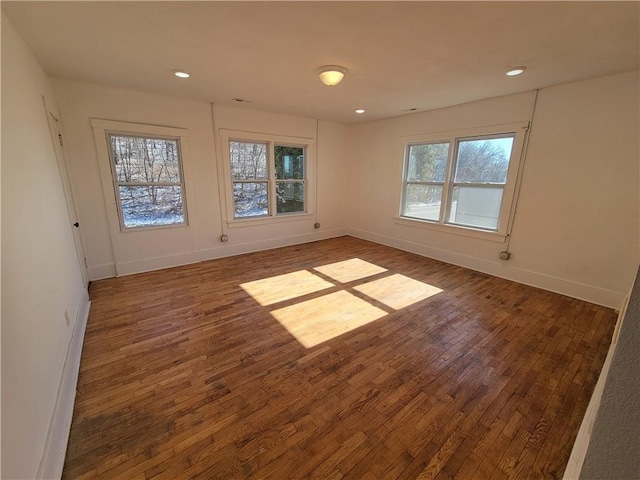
pixel 505 216
pixel 117 184
pixel 102 129
pixel 272 216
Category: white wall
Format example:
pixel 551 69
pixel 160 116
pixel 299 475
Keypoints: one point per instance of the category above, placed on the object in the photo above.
pixel 41 277
pixel 79 102
pixel 566 237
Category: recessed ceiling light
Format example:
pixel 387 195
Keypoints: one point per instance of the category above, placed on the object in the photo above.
pixel 181 74
pixel 516 71
pixel 360 110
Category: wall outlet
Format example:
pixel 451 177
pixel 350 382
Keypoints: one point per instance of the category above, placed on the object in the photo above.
pixel 316 225
pixel 224 238
pixel 505 255
pixel 66 318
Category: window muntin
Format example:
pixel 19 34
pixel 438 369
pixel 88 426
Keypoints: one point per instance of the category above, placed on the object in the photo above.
pixel 463 185
pixel 148 180
pixel 268 178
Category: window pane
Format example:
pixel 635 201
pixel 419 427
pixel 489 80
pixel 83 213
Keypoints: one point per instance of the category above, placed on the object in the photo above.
pixel 427 163
pixel 145 160
pixel 423 201
pixel 290 197
pixel 289 162
pixel 483 161
pixel 250 199
pixel 248 160
pixel 476 206
pixel 150 205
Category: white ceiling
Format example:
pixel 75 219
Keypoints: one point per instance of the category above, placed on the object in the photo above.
pixel 400 55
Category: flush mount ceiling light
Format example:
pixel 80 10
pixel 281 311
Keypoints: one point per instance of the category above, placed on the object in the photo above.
pixel 331 75
pixel 181 74
pixel 516 71
pixel 360 110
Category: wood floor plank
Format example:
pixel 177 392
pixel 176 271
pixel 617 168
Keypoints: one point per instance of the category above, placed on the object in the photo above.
pixel 185 375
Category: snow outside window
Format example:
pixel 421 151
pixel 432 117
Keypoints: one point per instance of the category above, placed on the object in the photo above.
pixel 148 180
pixel 268 176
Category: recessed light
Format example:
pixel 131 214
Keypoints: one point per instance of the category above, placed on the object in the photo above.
pixel 516 71
pixel 181 74
pixel 360 110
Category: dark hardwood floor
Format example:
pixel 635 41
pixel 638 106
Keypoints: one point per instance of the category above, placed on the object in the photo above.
pixel 417 369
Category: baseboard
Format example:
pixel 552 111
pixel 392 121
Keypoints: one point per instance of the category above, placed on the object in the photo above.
pixel 55 446
pixel 98 272
pixel 229 249
pixel 581 445
pixel 156 263
pixel 599 296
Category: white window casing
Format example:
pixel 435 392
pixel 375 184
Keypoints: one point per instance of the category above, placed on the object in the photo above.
pixel 271 141
pixel 487 190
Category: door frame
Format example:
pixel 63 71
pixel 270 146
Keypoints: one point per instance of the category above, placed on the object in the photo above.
pixel 57 139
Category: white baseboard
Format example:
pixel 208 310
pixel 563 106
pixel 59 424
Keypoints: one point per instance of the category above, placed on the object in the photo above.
pixel 156 263
pixel 55 446
pixel 229 249
pixel 600 296
pixel 581 445
pixel 98 272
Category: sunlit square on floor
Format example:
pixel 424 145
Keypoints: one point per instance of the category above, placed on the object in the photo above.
pixel 397 291
pixel 350 270
pixel 320 319
pixel 285 287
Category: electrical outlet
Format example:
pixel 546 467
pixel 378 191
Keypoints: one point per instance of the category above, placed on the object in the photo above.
pixel 66 318
pixel 316 225
pixel 224 238
pixel 505 255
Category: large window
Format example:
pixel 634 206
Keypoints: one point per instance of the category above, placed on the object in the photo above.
pixel 269 175
pixel 147 176
pixel 462 180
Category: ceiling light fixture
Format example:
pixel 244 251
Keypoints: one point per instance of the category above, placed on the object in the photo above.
pixel 516 71
pixel 360 110
pixel 331 75
pixel 181 74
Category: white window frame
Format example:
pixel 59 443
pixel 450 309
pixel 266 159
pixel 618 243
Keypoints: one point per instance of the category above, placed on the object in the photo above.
pixel 102 129
pixel 453 138
pixel 308 144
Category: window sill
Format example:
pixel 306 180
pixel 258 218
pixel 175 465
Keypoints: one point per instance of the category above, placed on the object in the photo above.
pixel 252 222
pixel 452 229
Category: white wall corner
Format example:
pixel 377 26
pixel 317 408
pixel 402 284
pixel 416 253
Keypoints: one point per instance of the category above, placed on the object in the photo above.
pixel 98 272
pixel 55 447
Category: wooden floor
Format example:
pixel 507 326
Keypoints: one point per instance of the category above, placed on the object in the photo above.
pixel 187 374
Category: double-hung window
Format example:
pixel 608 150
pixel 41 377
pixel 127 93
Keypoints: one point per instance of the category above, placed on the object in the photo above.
pixel 268 175
pixel 148 180
pixel 463 179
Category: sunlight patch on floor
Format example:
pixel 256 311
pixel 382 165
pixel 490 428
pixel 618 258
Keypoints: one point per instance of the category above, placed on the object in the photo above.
pixel 397 291
pixel 315 321
pixel 285 287
pixel 350 270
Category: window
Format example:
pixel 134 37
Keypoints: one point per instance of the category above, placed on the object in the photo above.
pixel 269 176
pixel 462 180
pixel 147 176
